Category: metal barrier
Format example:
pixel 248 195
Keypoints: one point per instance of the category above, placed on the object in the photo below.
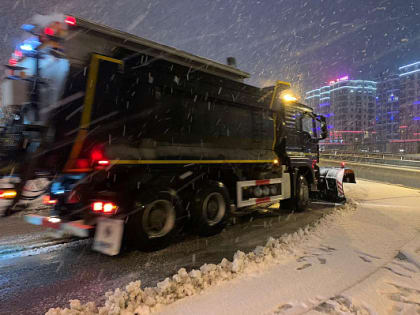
pixel 383 156
pixel 372 159
pixel 406 176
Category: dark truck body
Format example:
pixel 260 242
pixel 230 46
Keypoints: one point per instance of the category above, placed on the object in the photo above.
pixel 158 137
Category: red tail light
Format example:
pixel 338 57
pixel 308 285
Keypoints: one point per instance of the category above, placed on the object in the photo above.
pixel 109 207
pixel 98 158
pixel 70 20
pixel 343 164
pixel 13 62
pixel 96 155
pixel 48 201
pixel 49 31
pixel 104 207
pixel 97 206
pixel 18 54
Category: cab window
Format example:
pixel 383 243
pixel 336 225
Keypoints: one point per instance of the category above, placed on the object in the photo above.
pixel 308 125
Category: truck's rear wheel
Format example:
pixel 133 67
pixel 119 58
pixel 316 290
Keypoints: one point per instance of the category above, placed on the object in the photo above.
pixel 300 201
pixel 153 227
pixel 210 210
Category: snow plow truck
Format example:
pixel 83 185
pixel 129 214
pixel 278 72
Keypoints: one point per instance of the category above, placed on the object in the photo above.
pixel 140 138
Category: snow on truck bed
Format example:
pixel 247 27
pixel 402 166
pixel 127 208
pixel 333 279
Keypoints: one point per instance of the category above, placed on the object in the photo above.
pixel 359 260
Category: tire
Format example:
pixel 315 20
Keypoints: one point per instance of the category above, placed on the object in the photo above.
pixel 154 226
pixel 210 210
pixel 300 201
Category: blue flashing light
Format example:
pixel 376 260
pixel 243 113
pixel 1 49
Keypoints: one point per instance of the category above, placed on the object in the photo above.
pixel 392 117
pixel 330 127
pixel 416 103
pixel 324 104
pixel 29 45
pixel 416 118
pixel 27 27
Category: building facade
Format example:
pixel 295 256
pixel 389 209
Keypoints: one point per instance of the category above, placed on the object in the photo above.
pixel 409 129
pixel 387 113
pixel 349 106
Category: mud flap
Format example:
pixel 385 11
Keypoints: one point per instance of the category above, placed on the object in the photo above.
pixel 108 236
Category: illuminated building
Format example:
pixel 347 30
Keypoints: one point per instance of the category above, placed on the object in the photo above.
pixel 387 113
pixel 349 106
pixel 409 128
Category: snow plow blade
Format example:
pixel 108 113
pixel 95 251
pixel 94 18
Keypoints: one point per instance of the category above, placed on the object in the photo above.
pixel 331 186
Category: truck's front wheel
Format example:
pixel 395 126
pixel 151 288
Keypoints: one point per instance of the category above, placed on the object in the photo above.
pixel 152 227
pixel 300 201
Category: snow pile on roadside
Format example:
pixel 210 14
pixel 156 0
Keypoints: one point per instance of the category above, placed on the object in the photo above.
pixel 135 300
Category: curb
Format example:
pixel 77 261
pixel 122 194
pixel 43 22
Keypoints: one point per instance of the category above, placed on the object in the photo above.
pixel 411 251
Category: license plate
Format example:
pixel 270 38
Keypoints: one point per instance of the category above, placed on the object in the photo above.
pixel 108 236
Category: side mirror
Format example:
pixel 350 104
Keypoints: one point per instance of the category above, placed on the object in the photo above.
pixel 324 128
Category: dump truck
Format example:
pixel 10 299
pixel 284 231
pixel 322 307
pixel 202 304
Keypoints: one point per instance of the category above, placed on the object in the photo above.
pixel 141 139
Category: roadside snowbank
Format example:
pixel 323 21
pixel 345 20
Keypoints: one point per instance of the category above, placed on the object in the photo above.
pixel 135 300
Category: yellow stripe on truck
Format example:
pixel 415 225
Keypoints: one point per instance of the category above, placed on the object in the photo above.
pixel 87 108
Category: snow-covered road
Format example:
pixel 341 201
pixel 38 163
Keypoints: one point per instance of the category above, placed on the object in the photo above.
pixel 356 265
pixel 358 259
pixel 30 261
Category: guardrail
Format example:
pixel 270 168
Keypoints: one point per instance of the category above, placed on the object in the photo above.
pixel 406 176
pixel 383 156
pixel 371 159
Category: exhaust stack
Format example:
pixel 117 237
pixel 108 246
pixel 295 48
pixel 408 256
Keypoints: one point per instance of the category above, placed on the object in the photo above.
pixel 231 61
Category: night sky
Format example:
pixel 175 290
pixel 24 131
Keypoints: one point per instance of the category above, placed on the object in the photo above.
pixel 305 42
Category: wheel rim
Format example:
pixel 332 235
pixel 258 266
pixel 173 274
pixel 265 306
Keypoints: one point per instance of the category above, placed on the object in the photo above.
pixel 303 193
pixel 214 208
pixel 158 218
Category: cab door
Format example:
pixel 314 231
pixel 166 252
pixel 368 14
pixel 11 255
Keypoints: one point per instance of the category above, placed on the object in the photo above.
pixel 308 135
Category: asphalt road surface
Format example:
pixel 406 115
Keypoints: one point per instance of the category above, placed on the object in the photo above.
pixel 37 273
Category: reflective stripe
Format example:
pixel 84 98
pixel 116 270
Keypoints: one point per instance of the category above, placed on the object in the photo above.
pixel 262 200
pixel 262 182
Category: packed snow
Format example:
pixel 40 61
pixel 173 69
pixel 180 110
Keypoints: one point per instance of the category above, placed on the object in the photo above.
pixel 351 261
pixel 135 300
